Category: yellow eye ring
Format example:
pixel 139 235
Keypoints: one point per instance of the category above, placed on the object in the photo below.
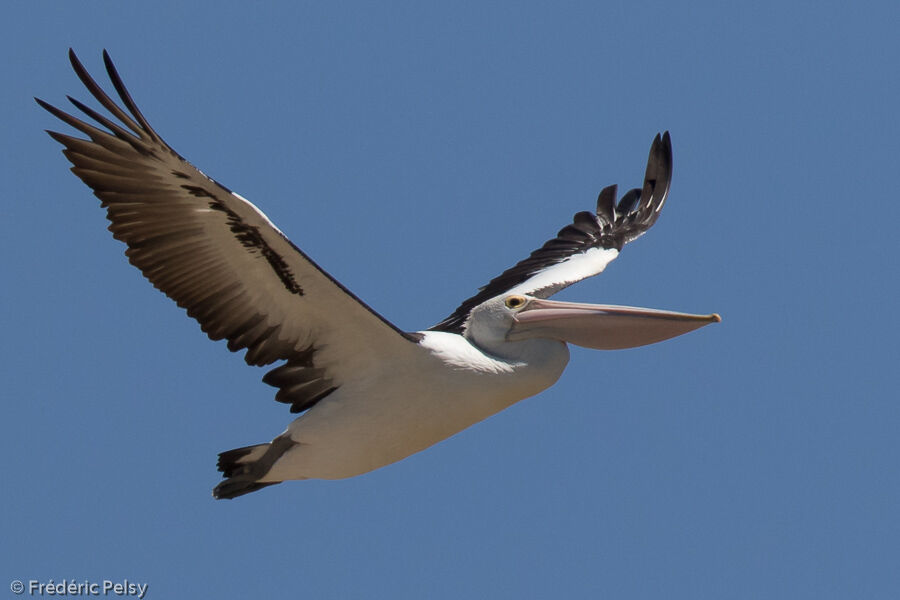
pixel 515 301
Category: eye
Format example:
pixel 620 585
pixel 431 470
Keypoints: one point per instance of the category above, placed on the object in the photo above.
pixel 515 301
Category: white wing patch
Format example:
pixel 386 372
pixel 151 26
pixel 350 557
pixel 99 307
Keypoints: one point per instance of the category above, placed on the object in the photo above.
pixel 563 274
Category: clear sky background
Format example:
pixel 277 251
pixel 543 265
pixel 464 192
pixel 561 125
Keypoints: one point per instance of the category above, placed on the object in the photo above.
pixel 415 150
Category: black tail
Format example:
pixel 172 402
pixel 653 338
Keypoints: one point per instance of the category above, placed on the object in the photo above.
pixel 232 488
pixel 244 467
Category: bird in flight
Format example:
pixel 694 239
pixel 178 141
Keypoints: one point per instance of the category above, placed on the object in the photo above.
pixel 368 393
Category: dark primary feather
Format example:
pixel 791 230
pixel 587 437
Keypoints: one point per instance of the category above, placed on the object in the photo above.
pixel 611 226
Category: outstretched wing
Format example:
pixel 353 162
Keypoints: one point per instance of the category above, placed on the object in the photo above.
pixel 218 256
pixel 585 247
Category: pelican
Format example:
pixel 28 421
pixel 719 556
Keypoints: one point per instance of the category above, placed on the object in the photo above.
pixel 369 393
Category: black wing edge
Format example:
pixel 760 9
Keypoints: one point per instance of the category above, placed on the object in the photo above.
pixel 135 121
pixel 612 226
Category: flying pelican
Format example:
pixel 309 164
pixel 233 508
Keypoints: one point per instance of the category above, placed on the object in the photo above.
pixel 370 393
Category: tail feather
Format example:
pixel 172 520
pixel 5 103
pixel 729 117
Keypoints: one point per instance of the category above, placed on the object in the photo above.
pixel 231 488
pixel 244 467
pixel 238 461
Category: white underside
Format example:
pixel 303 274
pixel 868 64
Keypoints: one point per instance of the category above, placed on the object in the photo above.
pixel 442 387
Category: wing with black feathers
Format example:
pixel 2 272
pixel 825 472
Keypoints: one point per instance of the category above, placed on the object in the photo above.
pixel 219 257
pixel 585 247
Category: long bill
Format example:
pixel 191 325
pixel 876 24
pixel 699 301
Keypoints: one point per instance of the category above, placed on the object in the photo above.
pixel 602 326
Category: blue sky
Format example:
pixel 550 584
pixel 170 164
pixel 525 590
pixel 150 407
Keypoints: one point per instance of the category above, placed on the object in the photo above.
pixel 415 150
